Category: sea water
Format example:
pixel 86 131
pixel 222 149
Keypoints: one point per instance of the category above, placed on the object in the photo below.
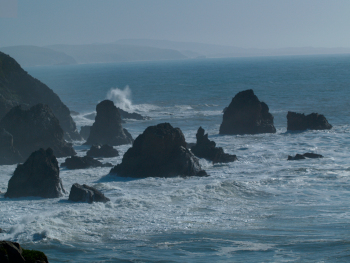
pixel 261 208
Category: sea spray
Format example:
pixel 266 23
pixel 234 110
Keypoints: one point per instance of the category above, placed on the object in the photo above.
pixel 121 98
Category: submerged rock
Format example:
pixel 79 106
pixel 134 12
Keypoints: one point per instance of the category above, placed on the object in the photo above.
pixel 36 128
pixel 160 151
pixel 8 153
pixel 107 128
pixel 85 193
pixel 207 149
pixel 12 252
pixel 304 156
pixel 132 116
pixel 300 122
pixel 104 151
pixel 85 132
pixel 38 176
pixel 247 115
pixel 75 162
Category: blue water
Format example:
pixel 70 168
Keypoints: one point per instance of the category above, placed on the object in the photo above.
pixel 261 208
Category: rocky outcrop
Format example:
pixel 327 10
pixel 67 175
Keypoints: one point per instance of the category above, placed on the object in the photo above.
pixel 18 87
pixel 76 162
pixel 160 151
pixel 247 115
pixel 207 149
pixel 301 122
pixel 38 176
pixel 107 128
pixel 8 153
pixel 36 128
pixel 131 116
pixel 12 252
pixel 104 151
pixel 85 132
pixel 85 193
pixel 304 156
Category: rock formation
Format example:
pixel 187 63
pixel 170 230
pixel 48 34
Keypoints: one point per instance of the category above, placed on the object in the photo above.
pixel 131 116
pixel 104 151
pixel 85 132
pixel 204 148
pixel 247 115
pixel 107 128
pixel 36 128
pixel 304 156
pixel 85 193
pixel 38 176
pixel 8 153
pixel 160 151
pixel 76 162
pixel 18 87
pixel 12 252
pixel 300 122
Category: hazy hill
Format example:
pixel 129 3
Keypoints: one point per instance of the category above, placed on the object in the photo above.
pixel 29 56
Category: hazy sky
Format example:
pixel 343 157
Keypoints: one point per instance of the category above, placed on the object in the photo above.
pixel 241 23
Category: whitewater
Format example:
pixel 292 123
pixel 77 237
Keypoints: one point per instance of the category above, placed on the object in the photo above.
pixel 261 208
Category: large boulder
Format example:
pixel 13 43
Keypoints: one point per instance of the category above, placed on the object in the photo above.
pixel 76 162
pixel 160 151
pixel 104 151
pixel 18 87
pixel 12 252
pixel 204 148
pixel 107 128
pixel 304 156
pixel 8 153
pixel 36 128
pixel 38 176
pixel 247 115
pixel 85 193
pixel 300 122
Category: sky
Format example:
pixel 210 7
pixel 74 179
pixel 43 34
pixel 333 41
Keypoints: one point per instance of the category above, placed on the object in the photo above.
pixel 239 23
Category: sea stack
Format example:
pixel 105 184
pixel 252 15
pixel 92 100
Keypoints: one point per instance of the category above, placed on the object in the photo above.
pixel 301 122
pixel 247 115
pixel 107 128
pixel 85 193
pixel 160 151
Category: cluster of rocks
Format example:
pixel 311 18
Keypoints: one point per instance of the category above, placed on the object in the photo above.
pixel 300 122
pixel 12 252
pixel 75 162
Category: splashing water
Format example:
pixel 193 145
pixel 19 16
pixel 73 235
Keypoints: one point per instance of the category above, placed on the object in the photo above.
pixel 121 98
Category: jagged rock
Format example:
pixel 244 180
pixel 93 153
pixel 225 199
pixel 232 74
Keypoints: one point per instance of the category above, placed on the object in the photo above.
pixel 160 151
pixel 247 115
pixel 207 149
pixel 8 153
pixel 12 252
pixel 85 132
pixel 38 176
pixel 75 162
pixel 132 116
pixel 104 151
pixel 304 156
pixel 85 193
pixel 18 87
pixel 300 122
pixel 107 128
pixel 36 128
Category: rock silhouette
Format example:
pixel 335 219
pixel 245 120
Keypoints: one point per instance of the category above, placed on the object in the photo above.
pixel 76 162
pixel 300 122
pixel 12 252
pixel 104 151
pixel 304 156
pixel 85 193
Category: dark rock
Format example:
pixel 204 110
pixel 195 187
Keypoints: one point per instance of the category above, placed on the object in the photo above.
pixel 85 132
pixel 132 116
pixel 85 193
pixel 36 128
pixel 76 162
pixel 247 115
pixel 304 156
pixel 300 122
pixel 38 176
pixel 18 87
pixel 207 149
pixel 8 153
pixel 104 151
pixel 12 252
pixel 160 151
pixel 107 128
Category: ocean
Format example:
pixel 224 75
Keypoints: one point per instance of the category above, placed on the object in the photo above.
pixel 261 208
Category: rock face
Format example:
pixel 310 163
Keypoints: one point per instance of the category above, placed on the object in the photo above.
pixel 76 162
pixel 304 156
pixel 132 116
pixel 18 87
pixel 38 176
pixel 85 132
pixel 107 128
pixel 12 252
pixel 300 122
pixel 247 115
pixel 104 151
pixel 207 149
pixel 85 193
pixel 8 153
pixel 36 128
pixel 160 151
